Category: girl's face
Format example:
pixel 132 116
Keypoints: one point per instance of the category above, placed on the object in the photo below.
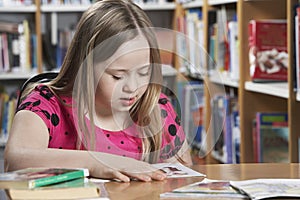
pixel 125 77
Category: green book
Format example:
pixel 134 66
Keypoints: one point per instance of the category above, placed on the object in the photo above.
pixel 36 177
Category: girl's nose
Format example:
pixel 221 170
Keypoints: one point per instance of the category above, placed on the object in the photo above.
pixel 131 84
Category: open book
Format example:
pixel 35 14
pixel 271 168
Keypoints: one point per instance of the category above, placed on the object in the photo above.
pixel 206 188
pixel 177 170
pixel 268 188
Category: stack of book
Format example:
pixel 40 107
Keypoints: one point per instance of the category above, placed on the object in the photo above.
pixel 49 183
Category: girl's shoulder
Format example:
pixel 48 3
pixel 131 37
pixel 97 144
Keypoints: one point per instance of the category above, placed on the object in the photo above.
pixel 42 95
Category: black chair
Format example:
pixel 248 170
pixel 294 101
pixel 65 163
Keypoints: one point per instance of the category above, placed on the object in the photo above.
pixel 39 78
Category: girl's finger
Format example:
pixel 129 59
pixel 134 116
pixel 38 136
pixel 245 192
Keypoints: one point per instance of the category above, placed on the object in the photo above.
pixel 119 176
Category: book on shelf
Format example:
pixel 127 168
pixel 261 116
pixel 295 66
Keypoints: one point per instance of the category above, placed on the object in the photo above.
pixel 193 112
pixel 268 54
pixel 29 178
pixel 268 188
pixel 10 27
pixel 297 48
pixel 271 138
pixel 226 134
pixel 195 41
pixel 177 170
pixel 81 188
pixel 212 19
pixel 233 50
pixel 16 46
pixel 207 188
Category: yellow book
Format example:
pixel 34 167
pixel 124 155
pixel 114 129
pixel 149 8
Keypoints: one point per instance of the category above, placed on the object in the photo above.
pixel 80 188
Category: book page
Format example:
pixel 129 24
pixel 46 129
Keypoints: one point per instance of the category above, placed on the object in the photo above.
pixel 177 170
pixel 266 188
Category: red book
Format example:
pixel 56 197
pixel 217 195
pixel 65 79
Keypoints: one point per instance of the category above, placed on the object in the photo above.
pixel 268 54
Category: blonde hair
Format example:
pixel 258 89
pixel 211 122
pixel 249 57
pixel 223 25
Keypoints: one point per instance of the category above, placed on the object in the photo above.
pixel 104 19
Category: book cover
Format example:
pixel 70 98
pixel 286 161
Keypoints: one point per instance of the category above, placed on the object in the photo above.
pixel 236 136
pixel 272 137
pixel 268 188
pixel 36 177
pixel 75 189
pixel 206 188
pixel 268 54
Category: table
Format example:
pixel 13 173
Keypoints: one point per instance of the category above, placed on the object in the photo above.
pixel 151 190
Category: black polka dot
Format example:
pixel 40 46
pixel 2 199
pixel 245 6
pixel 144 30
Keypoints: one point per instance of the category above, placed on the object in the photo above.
pixel 163 101
pixel 124 155
pixel 60 147
pixel 36 103
pixel 108 147
pixel 54 119
pixel 66 133
pixel 172 129
pixel 164 113
pixel 47 95
pixel 122 142
pixel 107 135
pixel 25 105
pixel 46 113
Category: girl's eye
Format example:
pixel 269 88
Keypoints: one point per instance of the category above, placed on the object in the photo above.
pixel 116 77
pixel 144 73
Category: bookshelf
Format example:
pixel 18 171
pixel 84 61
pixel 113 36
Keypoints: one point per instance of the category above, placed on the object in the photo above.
pixel 253 97
pixel 49 19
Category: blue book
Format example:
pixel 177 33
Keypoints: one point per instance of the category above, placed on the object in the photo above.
pixel 272 137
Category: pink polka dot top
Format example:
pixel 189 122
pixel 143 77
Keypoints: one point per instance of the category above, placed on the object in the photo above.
pixel 62 131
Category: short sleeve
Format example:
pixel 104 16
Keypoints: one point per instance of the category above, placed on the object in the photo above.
pixel 54 114
pixel 173 136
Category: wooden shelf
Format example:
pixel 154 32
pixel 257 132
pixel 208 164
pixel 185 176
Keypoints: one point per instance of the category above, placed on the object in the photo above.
pixel 15 76
pixel 221 2
pixel 18 9
pixel 274 89
pixel 64 8
pixel 157 6
pixel 193 4
pixel 222 79
pixel 82 8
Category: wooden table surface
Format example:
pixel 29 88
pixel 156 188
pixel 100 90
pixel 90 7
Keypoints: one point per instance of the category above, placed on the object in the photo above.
pixel 151 190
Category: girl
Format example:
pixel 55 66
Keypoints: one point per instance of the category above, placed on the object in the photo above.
pixel 105 110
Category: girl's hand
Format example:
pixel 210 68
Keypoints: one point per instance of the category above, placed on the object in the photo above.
pixel 123 169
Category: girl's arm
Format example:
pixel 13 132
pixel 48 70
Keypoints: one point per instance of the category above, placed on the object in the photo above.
pixel 27 146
